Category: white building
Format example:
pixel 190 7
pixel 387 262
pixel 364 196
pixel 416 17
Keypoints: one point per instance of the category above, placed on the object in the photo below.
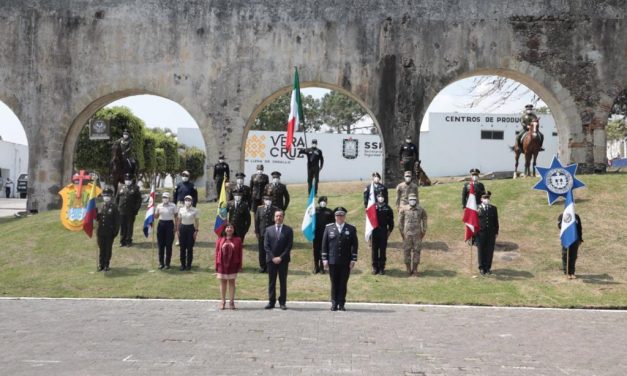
pixel 192 137
pixel 13 161
pixel 453 143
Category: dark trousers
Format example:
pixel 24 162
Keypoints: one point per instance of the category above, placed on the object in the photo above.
pixel 317 254
pixel 379 246
pixel 7 190
pixel 219 186
pixel 126 228
pixel 262 254
pixel 569 255
pixel 186 241
pixel 312 173
pixel 105 244
pixel 408 164
pixel 485 251
pixel 339 280
pixel 165 238
pixel 281 270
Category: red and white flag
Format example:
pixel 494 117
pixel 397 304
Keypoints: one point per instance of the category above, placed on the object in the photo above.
pixel 471 217
pixel 371 213
pixel 296 112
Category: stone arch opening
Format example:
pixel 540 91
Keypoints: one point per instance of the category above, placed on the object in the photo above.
pixel 616 131
pixel 368 148
pixel 14 154
pixel 80 122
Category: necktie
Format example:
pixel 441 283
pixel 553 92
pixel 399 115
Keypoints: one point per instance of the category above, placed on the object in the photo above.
pixel 278 231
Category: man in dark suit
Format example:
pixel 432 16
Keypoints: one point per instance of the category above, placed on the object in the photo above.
pixel 278 240
pixel 479 187
pixel 488 231
pixel 264 217
pixel 339 255
pixel 569 255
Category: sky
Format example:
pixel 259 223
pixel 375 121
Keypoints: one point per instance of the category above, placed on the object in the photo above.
pixel 160 112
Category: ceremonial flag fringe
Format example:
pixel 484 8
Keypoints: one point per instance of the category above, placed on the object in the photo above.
pixel 221 216
pixel 371 214
pixel 568 234
pixel 471 217
pixel 309 219
pixel 90 212
pixel 296 112
pixel 150 212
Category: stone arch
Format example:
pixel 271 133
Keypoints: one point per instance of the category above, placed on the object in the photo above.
pixel 92 107
pixel 305 84
pixel 556 97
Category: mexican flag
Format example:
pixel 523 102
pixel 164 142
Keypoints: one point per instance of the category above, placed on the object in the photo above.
pixel 296 112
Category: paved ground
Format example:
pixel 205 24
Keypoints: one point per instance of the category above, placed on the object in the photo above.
pixel 153 337
pixel 10 206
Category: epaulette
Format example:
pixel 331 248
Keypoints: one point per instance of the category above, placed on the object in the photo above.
pixel 330 224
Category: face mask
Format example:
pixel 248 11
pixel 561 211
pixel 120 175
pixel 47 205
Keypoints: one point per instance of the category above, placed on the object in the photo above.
pixel 323 204
pixel 275 180
pixel 412 202
pixel 474 178
pixel 165 200
pixel 237 198
pixel 528 111
pixel 221 160
pixel 376 180
pixel 267 202
pixel 407 140
pixel 185 178
pixel 127 182
pixel 485 201
pixel 313 146
pixel 240 181
pixel 188 204
pixel 381 199
pixel 259 172
pixel 407 179
pixel 125 137
pixel 106 199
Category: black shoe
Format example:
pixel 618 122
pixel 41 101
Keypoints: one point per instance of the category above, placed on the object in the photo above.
pixel 316 271
pixel 269 306
pixel 129 244
pixel 189 267
pixel 341 308
pixel 333 308
pixel 182 268
pixel 382 271
pixel 262 270
pixel 482 272
pixel 282 306
pixel 122 245
pixel 167 267
pixel 488 272
pixel 161 266
pixel 106 269
pixel 100 268
pixel 375 271
pixel 541 149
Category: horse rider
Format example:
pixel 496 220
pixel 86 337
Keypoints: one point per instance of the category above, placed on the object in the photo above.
pixel 126 149
pixel 525 120
pixel 408 155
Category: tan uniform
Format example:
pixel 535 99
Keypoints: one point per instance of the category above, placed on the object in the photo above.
pixel 403 190
pixel 413 225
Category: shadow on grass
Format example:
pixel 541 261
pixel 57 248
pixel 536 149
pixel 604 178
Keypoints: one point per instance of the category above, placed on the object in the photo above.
pixel 599 279
pixel 148 245
pixel 402 273
pixel 124 272
pixel 501 246
pixel 435 246
pixel 511 274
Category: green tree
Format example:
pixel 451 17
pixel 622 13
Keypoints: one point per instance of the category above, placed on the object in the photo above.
pixel 274 116
pixel 193 160
pixel 616 129
pixel 150 158
pixel 95 155
pixel 341 112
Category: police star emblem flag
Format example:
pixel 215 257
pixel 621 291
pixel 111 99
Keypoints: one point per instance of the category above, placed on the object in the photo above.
pixel 557 180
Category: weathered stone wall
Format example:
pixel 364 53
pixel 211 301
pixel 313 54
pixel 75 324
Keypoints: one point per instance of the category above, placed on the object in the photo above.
pixel 62 60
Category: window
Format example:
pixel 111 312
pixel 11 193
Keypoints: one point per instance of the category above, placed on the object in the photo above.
pixel 492 135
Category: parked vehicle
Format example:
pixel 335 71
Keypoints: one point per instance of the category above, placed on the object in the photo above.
pixel 22 185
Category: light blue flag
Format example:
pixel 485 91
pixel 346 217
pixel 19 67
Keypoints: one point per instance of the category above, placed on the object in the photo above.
pixel 309 219
pixel 569 235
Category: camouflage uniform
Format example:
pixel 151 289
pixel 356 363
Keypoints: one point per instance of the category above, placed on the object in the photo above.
pixel 403 190
pixel 413 225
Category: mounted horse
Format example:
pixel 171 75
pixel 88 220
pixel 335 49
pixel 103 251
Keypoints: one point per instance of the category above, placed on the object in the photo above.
pixel 531 145
pixel 119 166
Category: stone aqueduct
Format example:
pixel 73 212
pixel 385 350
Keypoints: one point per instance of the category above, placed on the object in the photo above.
pixel 224 60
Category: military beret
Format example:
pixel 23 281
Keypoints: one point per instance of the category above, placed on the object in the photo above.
pixel 260 167
pixel 107 192
pixel 340 210
pixel 240 175
pixel 408 173
pixel 412 196
pixel 275 174
pixel 486 194
pixel 376 175
pixel 322 198
pixel 474 171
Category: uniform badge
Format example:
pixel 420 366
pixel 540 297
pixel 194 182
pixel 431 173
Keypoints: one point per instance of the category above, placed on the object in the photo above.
pixel 350 148
pixel 346 232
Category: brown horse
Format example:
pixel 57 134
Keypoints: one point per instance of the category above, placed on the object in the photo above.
pixel 118 167
pixel 530 147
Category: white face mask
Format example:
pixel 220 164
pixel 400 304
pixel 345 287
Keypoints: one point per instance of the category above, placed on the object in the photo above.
pixel 240 181
pixel 276 180
pixel 407 140
pixel 485 201
pixel 376 180
pixel 381 199
pixel 474 178
pixel 237 198
pixel 412 202
pixel 188 204
pixel 221 160
pixel 185 178
pixel 259 172
pixel 127 182
pixel 267 202
pixel 165 200
pixel 106 198
pixel 407 179
pixel 125 137
pixel 323 204
pixel 528 111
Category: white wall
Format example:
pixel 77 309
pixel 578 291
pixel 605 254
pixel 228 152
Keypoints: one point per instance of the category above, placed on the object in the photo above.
pixel 451 144
pixel 192 137
pixel 13 160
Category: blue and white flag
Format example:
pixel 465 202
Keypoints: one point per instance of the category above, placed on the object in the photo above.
pixel 569 235
pixel 309 219
pixel 150 212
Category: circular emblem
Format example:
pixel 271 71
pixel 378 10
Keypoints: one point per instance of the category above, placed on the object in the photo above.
pixel 568 218
pixel 558 180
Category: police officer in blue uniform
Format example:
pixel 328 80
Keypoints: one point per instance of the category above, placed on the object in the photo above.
pixel 408 155
pixel 221 172
pixel 380 235
pixel 339 255
pixel 185 188
pixel 324 216
pixel 488 231
pixel 108 219
pixel 378 188
pixel 315 161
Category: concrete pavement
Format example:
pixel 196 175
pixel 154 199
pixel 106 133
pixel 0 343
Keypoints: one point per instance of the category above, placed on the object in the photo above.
pixel 157 337
pixel 11 206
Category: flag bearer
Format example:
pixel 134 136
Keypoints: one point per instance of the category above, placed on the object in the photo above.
pixel 380 235
pixel 569 255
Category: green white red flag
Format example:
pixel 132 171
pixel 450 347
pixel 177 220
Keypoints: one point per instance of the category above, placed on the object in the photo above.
pixel 296 112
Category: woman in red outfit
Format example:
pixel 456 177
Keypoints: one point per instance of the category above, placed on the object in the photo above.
pixel 228 263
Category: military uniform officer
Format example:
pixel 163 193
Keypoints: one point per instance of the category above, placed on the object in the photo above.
pixel 408 155
pixel 239 214
pixel 108 228
pixel 378 188
pixel 315 161
pixel 257 185
pixel 128 200
pixel 339 255
pixel 413 227
pixel 488 231
pixel 264 217
pixel 479 188
pixel 380 235
pixel 278 192
pixel 220 172
pixel 183 189
pixel 324 216
pixel 404 189
pixel 525 121
pixel 239 185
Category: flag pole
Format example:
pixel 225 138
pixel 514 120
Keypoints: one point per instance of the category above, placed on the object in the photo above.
pixel 470 259
pixel 152 225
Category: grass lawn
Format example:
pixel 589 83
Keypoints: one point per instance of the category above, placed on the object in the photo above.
pixel 38 257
